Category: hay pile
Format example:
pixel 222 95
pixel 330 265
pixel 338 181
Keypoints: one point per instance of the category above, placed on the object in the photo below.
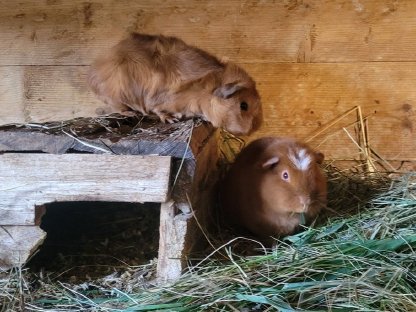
pixel 363 260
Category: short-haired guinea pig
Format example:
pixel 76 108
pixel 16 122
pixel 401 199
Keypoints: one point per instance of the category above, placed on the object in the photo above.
pixel 273 182
pixel 167 77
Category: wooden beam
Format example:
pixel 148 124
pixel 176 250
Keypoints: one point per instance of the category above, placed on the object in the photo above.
pixel 30 180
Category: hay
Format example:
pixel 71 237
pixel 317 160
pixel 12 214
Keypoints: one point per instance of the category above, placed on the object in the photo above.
pixel 99 133
pixel 359 256
pixel 364 261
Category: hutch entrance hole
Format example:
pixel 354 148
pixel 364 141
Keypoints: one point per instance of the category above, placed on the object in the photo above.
pixel 93 239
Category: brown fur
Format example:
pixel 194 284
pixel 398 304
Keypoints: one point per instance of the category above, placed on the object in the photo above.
pixel 167 77
pixel 256 197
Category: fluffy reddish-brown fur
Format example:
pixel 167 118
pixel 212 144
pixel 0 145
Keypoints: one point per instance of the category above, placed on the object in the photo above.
pixel 272 181
pixel 167 77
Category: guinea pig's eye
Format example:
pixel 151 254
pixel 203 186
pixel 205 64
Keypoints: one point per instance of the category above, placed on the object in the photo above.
pixel 285 175
pixel 244 106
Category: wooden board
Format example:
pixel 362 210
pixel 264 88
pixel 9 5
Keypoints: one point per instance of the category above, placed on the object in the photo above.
pixel 12 104
pixel 298 100
pixel 52 32
pixel 172 234
pixel 17 243
pixel 313 60
pixel 51 92
pixel 29 180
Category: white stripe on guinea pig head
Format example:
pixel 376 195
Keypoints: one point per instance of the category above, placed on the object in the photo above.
pixel 300 158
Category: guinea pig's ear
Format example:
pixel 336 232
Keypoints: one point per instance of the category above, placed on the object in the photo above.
pixel 319 157
pixel 226 91
pixel 271 162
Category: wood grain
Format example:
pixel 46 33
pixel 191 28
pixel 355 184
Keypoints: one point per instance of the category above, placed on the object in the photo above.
pixel 313 60
pixel 172 233
pixel 74 32
pixel 44 93
pixel 17 243
pixel 110 134
pixel 56 92
pixel 298 99
pixel 12 105
pixel 30 180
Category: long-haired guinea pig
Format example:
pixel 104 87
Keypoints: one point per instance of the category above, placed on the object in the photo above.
pixel 165 76
pixel 273 186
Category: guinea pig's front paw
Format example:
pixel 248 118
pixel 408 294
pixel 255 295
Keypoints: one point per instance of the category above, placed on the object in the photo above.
pixel 171 120
pixel 166 117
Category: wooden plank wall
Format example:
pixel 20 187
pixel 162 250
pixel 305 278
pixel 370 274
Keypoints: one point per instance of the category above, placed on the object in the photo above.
pixel 313 60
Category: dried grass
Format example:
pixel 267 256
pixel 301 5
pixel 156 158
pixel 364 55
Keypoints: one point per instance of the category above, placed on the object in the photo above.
pixel 362 262
pixel 360 256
